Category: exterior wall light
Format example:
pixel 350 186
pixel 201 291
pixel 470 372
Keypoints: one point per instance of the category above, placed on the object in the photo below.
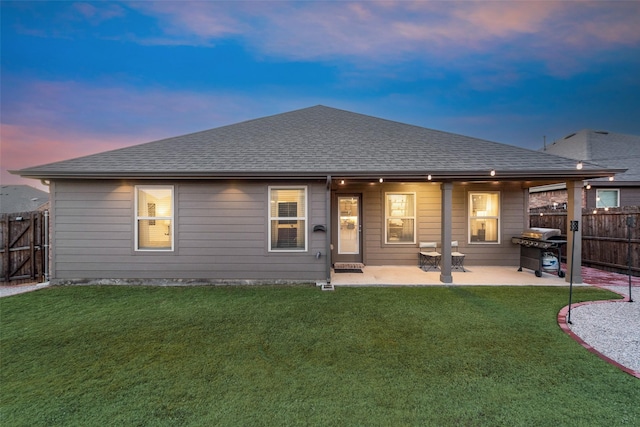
pixel 429 177
pixel 493 172
pixel 579 165
pixel 381 180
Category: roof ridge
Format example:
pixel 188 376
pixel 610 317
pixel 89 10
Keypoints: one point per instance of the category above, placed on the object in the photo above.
pixel 311 140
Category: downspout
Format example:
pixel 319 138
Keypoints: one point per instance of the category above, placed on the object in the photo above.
pixel 328 233
pixel 45 246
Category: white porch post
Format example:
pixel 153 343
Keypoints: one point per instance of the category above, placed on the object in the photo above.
pixel 574 243
pixel 446 214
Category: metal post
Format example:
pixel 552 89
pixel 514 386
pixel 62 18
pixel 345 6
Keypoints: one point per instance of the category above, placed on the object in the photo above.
pixel 573 227
pixel 631 222
pixel 45 246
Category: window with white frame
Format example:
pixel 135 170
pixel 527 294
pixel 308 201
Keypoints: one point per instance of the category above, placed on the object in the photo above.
pixel 400 218
pixel 609 198
pixel 154 218
pixel 484 217
pixel 287 219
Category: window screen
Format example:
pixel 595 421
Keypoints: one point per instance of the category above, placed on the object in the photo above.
pixel 400 218
pixel 608 198
pixel 154 218
pixel 288 219
pixel 484 217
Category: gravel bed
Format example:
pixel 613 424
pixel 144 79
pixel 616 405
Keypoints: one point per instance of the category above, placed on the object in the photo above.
pixel 612 328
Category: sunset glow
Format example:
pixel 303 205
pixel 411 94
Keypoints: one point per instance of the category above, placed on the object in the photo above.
pixel 79 78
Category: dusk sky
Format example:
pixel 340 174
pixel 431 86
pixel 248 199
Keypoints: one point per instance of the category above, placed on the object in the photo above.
pixel 84 77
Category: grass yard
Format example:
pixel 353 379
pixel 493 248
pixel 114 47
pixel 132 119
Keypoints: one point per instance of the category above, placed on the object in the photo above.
pixel 276 356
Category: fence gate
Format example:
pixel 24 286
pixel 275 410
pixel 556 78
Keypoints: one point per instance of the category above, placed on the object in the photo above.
pixel 23 247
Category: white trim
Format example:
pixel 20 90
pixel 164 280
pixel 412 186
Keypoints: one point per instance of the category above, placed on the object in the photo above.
pixel 305 218
pixel 387 216
pixel 617 190
pixel 171 218
pixel 356 226
pixel 471 217
pixel 548 187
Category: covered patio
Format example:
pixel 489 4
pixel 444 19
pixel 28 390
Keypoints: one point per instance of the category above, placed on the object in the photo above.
pixel 475 275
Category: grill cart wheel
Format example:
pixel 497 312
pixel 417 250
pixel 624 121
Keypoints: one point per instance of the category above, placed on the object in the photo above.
pixel 540 250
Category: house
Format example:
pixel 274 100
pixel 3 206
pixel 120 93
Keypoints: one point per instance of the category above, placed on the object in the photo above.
pixel 22 198
pixel 613 150
pixel 282 198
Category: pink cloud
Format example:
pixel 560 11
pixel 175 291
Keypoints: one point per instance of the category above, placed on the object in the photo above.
pixel 53 121
pixel 371 32
pixel 502 19
pixel 27 146
pixel 202 19
pixel 98 13
pixel 374 32
pixel 382 31
pixel 108 109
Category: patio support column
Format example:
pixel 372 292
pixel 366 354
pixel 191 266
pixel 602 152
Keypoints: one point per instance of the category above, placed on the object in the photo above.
pixel 327 221
pixel 526 218
pixel 446 222
pixel 574 243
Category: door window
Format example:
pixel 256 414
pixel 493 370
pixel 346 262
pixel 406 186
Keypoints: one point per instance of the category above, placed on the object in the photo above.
pixel 349 228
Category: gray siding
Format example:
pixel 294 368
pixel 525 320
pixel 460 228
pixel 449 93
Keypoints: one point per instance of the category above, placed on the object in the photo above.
pixel 221 231
pixel 428 209
pixel 220 234
pixel 512 218
pixel 629 196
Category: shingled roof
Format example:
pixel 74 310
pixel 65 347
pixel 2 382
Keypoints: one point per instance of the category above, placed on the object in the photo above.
pixel 22 198
pixel 319 141
pixel 613 150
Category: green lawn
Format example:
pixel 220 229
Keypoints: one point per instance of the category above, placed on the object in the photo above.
pixel 276 356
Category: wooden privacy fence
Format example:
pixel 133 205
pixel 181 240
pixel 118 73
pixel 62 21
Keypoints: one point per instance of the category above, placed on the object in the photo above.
pixel 605 236
pixel 23 251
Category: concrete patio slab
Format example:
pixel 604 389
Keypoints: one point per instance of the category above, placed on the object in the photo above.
pixel 475 275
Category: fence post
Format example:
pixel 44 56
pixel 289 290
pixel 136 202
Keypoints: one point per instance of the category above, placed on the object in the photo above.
pixel 631 222
pixel 32 246
pixel 45 245
pixel 5 253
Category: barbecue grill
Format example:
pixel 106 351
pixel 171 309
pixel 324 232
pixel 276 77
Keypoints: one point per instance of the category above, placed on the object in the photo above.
pixel 538 247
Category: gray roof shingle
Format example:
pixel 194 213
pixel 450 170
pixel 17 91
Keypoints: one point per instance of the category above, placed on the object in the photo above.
pixel 21 198
pixel 613 150
pixel 314 141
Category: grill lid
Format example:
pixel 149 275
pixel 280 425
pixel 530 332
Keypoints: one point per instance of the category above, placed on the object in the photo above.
pixel 540 233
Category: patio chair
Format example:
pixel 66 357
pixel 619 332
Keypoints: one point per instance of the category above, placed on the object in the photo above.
pixel 457 258
pixel 428 256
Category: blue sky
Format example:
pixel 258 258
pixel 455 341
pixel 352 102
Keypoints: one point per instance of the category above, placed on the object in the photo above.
pixel 83 77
